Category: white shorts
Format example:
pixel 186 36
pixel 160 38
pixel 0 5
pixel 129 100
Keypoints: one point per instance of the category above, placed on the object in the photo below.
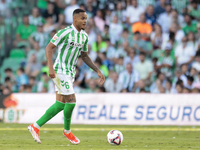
pixel 64 84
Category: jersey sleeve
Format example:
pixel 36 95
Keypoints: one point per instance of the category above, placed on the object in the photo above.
pixel 57 38
pixel 85 46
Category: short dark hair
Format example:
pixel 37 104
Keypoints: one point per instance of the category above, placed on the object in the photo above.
pixel 143 53
pixel 190 78
pixel 21 69
pixel 137 32
pixel 32 77
pixel 7 79
pixel 77 11
pixel 8 69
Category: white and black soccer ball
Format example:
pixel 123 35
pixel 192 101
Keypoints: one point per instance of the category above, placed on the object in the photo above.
pixel 114 137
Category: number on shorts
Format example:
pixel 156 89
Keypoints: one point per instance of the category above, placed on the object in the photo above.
pixel 66 84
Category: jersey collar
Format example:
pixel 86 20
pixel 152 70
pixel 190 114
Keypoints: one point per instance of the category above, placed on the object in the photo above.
pixel 76 31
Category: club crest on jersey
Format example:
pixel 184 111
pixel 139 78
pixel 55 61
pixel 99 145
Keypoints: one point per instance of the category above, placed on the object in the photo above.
pixel 55 37
pixel 75 44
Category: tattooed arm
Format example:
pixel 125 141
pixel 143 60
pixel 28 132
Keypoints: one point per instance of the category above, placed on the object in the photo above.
pixel 49 55
pixel 90 63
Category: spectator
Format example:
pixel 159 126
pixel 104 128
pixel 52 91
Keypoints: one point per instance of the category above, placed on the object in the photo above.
pixel 164 18
pixel 129 77
pixel 69 10
pixel 144 68
pixel 108 16
pixel 115 30
pixel 99 20
pixel 45 84
pixel 122 50
pixel 28 89
pixel 150 15
pixel 158 37
pixel 22 78
pixel 105 34
pixel 51 11
pixel 179 88
pixel 119 67
pixel 49 25
pixel 90 9
pixel 6 91
pixel 42 5
pixel 132 58
pixel 140 86
pixel 190 81
pixel 9 83
pixel 193 9
pixel 39 36
pixel 179 5
pixel 184 53
pixel 125 37
pixel 9 73
pixel 190 26
pixel 91 34
pixel 92 87
pixel 196 63
pixel 138 44
pixel 192 41
pixel 168 86
pixel 157 86
pixel 184 69
pixel 35 18
pixel 135 9
pixel 101 90
pixel 179 34
pixel 179 76
pixel 186 90
pixel 195 90
pixel 38 52
pixel 166 62
pixel 144 28
pixel 92 25
pixel 160 8
pixel 110 51
pixel 24 30
pixel 33 84
pixel 99 45
pixel 93 55
pixel 105 61
pixel 112 84
pixel 4 7
pixel 120 12
pixel 33 67
pixel 176 18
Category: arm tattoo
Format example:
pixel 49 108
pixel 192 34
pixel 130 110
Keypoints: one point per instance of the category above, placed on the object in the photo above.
pixel 88 61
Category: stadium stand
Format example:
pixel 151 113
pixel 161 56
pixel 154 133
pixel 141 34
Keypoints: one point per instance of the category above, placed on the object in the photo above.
pixel 140 46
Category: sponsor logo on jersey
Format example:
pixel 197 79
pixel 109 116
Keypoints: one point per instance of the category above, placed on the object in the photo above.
pixel 76 44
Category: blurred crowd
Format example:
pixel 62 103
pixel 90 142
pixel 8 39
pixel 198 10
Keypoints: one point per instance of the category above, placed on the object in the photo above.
pixel 141 46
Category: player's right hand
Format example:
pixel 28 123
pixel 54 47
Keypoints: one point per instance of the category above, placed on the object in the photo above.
pixel 52 73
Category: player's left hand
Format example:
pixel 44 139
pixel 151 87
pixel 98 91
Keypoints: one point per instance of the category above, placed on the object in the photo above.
pixel 101 76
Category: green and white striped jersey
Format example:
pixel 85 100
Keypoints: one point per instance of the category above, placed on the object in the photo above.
pixel 69 42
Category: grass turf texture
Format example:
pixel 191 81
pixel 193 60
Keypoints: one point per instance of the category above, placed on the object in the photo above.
pixel 93 137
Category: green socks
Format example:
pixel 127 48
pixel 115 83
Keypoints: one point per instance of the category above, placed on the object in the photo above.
pixel 51 112
pixel 68 109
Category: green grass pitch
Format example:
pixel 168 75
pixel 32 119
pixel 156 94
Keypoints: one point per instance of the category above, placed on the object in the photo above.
pixel 93 137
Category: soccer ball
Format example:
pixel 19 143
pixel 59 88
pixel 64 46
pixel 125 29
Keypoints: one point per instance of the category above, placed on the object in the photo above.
pixel 114 137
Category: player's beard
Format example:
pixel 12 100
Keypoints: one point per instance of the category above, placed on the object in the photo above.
pixel 82 28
